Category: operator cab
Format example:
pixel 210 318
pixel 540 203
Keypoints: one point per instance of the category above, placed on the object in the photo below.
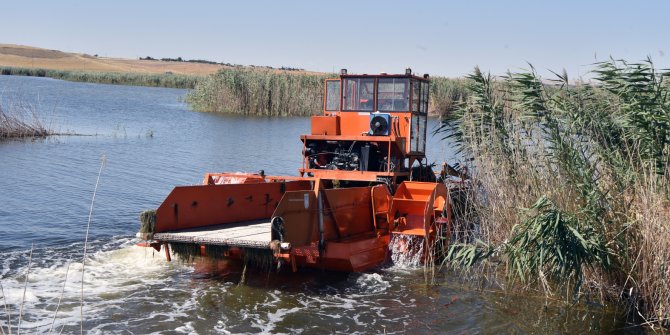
pixel 372 127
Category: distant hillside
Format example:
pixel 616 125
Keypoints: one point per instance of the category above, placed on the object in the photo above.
pixel 36 58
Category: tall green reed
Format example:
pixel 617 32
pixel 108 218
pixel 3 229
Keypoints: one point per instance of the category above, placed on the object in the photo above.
pixel 261 92
pixel 564 175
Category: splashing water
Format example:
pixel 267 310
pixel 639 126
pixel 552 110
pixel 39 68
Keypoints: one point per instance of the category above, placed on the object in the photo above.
pixel 372 283
pixel 406 250
pixel 124 274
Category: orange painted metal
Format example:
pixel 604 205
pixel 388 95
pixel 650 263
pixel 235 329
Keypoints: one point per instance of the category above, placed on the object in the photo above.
pixel 355 126
pixel 381 207
pixel 341 229
pixel 351 241
pixel 167 252
pixel 206 205
pixel 352 175
pixel 415 207
pixel 326 125
pixel 298 211
pixel 347 212
pixel 353 255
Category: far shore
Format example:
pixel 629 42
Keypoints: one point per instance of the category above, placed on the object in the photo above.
pixel 147 71
pixel 215 87
pixel 168 80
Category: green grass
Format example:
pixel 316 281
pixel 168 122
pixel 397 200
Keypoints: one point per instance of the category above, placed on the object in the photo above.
pixel 571 183
pixel 136 79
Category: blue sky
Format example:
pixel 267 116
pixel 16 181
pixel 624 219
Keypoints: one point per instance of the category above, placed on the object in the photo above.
pixel 444 38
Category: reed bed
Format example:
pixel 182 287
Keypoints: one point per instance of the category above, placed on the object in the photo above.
pixel 259 92
pixel 21 122
pixel 570 184
pixel 446 95
pixel 267 92
pixel 118 78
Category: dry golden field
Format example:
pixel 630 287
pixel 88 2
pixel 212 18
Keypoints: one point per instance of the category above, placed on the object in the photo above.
pixel 32 57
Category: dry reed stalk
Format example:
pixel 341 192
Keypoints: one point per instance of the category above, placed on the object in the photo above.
pixel 7 310
pixel 649 273
pixel 22 122
pixel 25 288
pixel 60 298
pixel 103 160
pixel 598 156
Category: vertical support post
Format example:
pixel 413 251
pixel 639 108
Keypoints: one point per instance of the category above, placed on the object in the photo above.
pixel 319 201
pixel 167 252
pixel 322 241
pixel 374 209
pixel 305 159
pixel 243 279
pixel 388 157
pixel 294 266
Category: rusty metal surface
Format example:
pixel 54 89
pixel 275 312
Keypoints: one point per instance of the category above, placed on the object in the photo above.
pixel 250 234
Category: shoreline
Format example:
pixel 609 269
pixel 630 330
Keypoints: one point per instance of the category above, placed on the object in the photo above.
pixel 115 78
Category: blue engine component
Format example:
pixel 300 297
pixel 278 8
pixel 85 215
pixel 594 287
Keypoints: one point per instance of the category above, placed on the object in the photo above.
pixel 380 124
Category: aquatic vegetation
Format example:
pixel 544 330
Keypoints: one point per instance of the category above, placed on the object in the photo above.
pixel 148 221
pixel 446 95
pixel 170 80
pixel 259 92
pixel 268 92
pixel 566 175
pixel 21 122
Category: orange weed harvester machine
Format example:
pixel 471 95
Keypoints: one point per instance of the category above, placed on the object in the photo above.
pixel 363 179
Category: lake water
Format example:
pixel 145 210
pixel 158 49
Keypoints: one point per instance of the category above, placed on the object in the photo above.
pixel 151 142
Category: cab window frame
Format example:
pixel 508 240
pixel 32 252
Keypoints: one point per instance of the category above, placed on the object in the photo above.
pixel 332 100
pixel 347 104
pixel 392 102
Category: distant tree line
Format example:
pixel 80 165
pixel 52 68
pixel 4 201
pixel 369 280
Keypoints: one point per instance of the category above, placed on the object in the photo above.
pixel 203 61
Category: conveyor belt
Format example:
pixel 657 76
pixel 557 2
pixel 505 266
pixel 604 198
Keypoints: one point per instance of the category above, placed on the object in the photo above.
pixel 250 234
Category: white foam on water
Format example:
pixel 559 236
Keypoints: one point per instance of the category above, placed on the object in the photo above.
pixel 187 328
pixel 273 318
pixel 110 278
pixel 372 283
pixel 221 327
pixel 334 302
pixel 406 251
pixel 134 288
